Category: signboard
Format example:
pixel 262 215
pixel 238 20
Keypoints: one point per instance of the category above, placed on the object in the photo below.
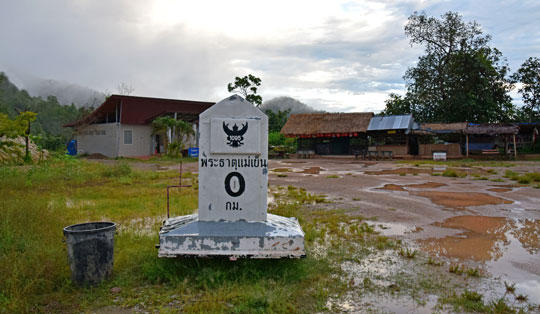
pixel 193 152
pixel 440 156
pixel 233 162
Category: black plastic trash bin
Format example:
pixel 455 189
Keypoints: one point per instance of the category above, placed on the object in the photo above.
pixel 90 248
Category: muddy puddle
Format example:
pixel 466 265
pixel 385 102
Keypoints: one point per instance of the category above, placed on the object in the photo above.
pixel 427 185
pixel 506 248
pixel 500 190
pixel 396 229
pixel 398 187
pixel 146 226
pixel 392 187
pixel 399 171
pixel 416 171
pixel 460 200
pixel 311 170
pixel 281 170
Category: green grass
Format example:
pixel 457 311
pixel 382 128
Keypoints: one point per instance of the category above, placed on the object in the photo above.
pixel 469 301
pixel 433 262
pixel 455 269
pixel 165 160
pixel 526 178
pixel 453 174
pixel 408 253
pixel 45 198
pixel 38 201
pixel 333 176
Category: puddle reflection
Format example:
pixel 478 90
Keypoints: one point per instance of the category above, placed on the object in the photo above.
pixel 508 248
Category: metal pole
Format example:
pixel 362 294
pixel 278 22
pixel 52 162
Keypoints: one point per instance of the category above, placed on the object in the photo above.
pixel 168 202
pixel 515 149
pixel 467 145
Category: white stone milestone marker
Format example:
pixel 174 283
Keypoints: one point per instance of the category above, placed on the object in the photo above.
pixel 233 162
pixel 233 185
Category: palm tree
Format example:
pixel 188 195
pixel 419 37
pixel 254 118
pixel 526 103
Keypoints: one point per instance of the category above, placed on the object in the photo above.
pixel 180 129
pixel 183 129
pixel 160 126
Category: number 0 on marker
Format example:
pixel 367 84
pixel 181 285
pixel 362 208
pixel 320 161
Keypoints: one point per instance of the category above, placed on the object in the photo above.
pixel 234 181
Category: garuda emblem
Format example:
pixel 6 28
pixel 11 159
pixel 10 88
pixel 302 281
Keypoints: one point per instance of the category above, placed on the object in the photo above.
pixel 235 136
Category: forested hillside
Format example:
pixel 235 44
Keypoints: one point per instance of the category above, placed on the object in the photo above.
pixel 47 130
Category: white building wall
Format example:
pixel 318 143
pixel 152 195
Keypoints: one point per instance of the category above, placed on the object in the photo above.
pixel 97 138
pixel 141 136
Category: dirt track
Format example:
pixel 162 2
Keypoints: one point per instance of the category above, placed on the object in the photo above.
pixel 496 224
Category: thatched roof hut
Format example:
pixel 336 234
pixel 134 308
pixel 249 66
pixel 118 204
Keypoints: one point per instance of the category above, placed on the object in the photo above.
pixel 440 128
pixel 491 129
pixel 326 124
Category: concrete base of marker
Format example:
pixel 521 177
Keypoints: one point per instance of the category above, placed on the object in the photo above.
pixel 277 237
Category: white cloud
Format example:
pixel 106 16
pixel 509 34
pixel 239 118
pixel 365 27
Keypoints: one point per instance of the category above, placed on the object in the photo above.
pixel 334 55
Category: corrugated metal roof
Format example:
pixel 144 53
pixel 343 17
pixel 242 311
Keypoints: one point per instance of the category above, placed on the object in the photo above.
pixel 382 123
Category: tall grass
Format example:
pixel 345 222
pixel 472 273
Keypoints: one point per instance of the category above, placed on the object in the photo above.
pixel 39 200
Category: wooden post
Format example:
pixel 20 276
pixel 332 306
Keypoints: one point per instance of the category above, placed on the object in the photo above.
pixel 515 148
pixel 467 144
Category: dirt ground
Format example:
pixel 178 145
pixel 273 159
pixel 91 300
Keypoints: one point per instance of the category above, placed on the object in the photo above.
pixel 496 224
pixel 482 218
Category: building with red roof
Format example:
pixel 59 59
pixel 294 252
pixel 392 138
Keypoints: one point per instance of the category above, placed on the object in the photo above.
pixel 121 126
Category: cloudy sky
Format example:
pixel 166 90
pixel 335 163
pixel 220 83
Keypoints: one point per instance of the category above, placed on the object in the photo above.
pixel 333 55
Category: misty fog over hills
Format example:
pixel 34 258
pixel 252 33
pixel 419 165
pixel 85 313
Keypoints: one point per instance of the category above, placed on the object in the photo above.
pixel 70 93
pixel 66 93
pixel 284 102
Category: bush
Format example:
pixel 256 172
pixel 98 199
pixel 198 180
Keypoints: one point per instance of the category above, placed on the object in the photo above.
pixel 119 170
pixel 276 139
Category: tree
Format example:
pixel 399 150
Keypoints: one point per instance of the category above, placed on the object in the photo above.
pixel 180 130
pixel 397 105
pixel 460 78
pixel 529 77
pixel 20 126
pixel 161 126
pixel 125 89
pixel 247 86
pixel 276 120
pixel 16 127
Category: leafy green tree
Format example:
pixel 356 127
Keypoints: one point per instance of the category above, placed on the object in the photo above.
pixel 397 105
pixel 47 129
pixel 460 77
pixel 180 130
pixel 529 77
pixel 160 126
pixel 247 87
pixel 20 126
pixel 276 120
pixel 16 127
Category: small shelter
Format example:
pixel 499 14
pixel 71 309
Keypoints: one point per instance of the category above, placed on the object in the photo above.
pixel 488 138
pixel 392 133
pixel 527 139
pixel 329 133
pixel 440 137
